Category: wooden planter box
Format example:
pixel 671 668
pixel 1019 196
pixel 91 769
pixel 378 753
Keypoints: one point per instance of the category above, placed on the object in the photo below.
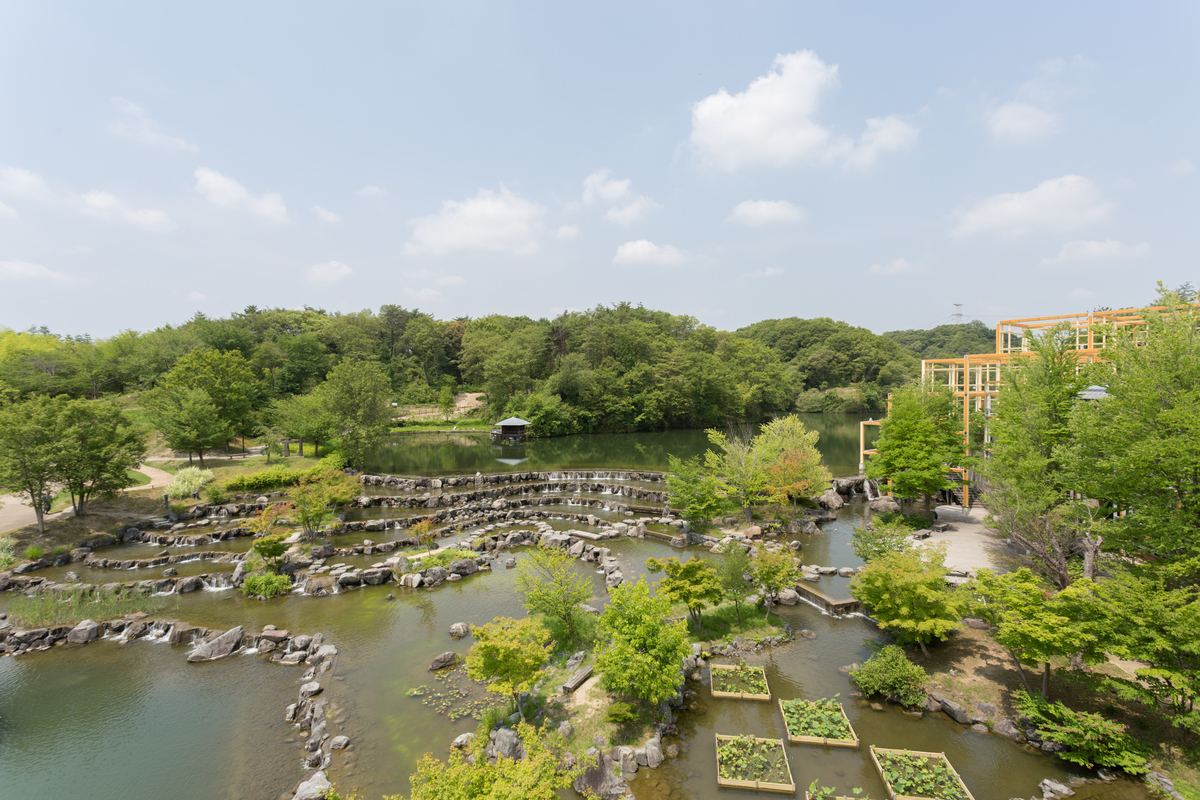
pixel 821 740
pixel 936 756
pixel 758 786
pixel 808 796
pixel 715 668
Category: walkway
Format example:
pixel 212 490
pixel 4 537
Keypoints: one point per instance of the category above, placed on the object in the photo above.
pixel 16 514
pixel 971 545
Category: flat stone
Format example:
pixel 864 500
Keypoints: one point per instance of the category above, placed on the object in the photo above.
pixel 442 661
pixel 310 690
pixel 315 788
pixel 220 647
pixel 339 743
pixel 84 632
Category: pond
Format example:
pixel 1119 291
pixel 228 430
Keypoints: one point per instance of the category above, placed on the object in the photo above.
pixel 137 722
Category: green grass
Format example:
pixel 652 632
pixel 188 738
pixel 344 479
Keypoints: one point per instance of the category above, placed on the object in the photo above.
pixel 440 424
pixel 722 623
pixel 443 558
pixel 45 610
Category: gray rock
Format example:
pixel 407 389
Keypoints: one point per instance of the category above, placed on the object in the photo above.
pixel 191 584
pixel 1052 747
pixel 339 743
pixel 310 690
pixel 464 567
pixel 223 645
pixel 831 500
pixel 444 660
pixel 435 575
pixel 84 632
pixel 985 710
pixel 788 597
pixel 314 788
pixel 601 779
pixel 654 754
pixel 953 709
pixel 459 629
pixel 625 758
pixel 507 744
pixel 72 577
pixel 565 729
pixel 1006 727
pixel 462 740
pixel 1054 789
pixel 885 504
pixel 1163 782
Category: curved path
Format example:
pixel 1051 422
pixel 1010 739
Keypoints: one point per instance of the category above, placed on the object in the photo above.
pixel 16 514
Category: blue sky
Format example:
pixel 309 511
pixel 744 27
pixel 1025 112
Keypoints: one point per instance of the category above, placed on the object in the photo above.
pixel 873 162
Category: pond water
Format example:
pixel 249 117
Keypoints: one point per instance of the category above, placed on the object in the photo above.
pixel 137 722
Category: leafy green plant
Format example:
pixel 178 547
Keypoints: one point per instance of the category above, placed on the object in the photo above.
pixel 1090 739
pixel 822 718
pixel 877 538
pixel 215 493
pixel 746 758
pixel 179 508
pixel 44 610
pixel 920 776
pixel 890 673
pixel 280 476
pixel 7 553
pixel 268 585
pixel 620 714
pixel 739 678
pixel 817 792
pixel 188 481
pixel 443 558
pixel 60 550
pixel 33 552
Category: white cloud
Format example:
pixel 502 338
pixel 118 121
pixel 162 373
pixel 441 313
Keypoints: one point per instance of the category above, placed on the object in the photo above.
pixel 328 273
pixel 1097 251
pixel 7 211
pixel 898 266
pixel 637 209
pixel 644 251
pixel 372 192
pixel 1021 122
pixel 226 192
pixel 769 272
pixel 450 280
pixel 771 123
pixel 423 295
pixel 27 271
pixel 197 297
pixel 495 222
pixel 325 215
pixel 109 208
pixel 23 183
pixel 1181 167
pixel 1059 204
pixel 136 126
pixel 765 212
pixel 600 185
pixel 567 231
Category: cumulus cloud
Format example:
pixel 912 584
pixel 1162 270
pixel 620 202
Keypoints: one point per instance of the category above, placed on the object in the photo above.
pixel 644 251
pixel 226 192
pixel 23 183
pixel 450 280
pixel 328 273
pixel 325 215
pixel 898 266
pixel 765 212
pixel 1021 123
pixel 637 209
pixel 373 192
pixel 494 222
pixel 21 271
pixel 136 126
pixel 567 231
pixel 600 185
pixel 109 208
pixel 1107 249
pixel 772 122
pixel 1060 204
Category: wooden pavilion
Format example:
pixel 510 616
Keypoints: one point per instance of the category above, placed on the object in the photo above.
pixel 510 431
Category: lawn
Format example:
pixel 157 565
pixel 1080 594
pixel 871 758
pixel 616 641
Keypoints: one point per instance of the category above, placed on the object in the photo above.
pixel 721 622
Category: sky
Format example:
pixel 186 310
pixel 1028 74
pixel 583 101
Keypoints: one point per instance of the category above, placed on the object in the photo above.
pixel 887 164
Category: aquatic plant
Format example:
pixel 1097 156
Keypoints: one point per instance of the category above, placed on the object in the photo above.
pixel 822 718
pixel 267 585
pixel 920 776
pixel 745 758
pixel 44 610
pixel 739 678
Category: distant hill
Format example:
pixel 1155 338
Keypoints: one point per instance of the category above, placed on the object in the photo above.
pixel 947 341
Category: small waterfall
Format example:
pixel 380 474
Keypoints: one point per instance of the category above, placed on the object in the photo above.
pixel 871 490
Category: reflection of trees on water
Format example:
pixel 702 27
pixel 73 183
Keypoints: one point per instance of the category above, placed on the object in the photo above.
pixel 467 453
pixel 428 620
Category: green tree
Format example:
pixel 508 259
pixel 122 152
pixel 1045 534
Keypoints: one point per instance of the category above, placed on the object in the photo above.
pixel 906 593
pixel 917 444
pixel 446 402
pixel 540 775
pixel 270 548
pixel 740 462
pixel 774 572
pixel 424 533
pixel 733 569
pixel 98 445
pixel 797 471
pixel 642 656
pixel 877 538
pixel 306 417
pixel 188 420
pixel 357 396
pixel 510 653
pixel 30 449
pixel 692 490
pixel 549 584
pixel 315 499
pixel 226 377
pixel 693 583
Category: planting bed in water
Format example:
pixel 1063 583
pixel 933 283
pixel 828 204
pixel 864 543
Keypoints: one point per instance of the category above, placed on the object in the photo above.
pixel 818 722
pixel 739 682
pixel 914 775
pixel 746 762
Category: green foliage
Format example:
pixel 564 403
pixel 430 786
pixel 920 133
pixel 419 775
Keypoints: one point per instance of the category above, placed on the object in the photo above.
pixel 816 792
pixel 620 714
pixel 306 417
pixel 1090 739
pixel 917 444
pixel 906 593
pixel 822 718
pixel 33 552
pixel 7 553
pixel 45 610
pixel 797 471
pixel 29 450
pixel 920 776
pixel 225 377
pixel 315 498
pixel 279 476
pixel 268 585
pixel 424 533
pixel 732 569
pixel 188 419
pixel 444 558
pixel 188 481
pixel 693 583
pixel 889 673
pixel 97 447
pixel 745 758
pixel 510 653
pixel 741 678
pixel 946 341
pixel 692 490
pixel 877 538
pixel 215 493
pixel 740 463
pixel 357 395
pixel 549 584
pixel 774 572
pixel 270 548
pixel 642 655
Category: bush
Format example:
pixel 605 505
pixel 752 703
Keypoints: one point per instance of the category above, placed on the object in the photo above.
pixel 33 552
pixel 281 476
pixel 1090 739
pixel 891 674
pixel 620 714
pixel 58 551
pixel 443 558
pixel 7 554
pixel 266 585
pixel 188 481
pixel 215 493
pixel 877 538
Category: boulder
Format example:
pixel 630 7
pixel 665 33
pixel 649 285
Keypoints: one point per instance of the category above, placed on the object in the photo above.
pixel 223 645
pixel 788 597
pixel 506 744
pixel 463 740
pixel 376 577
pixel 953 709
pixel 885 504
pixel 310 689
pixel 754 532
pixel 1006 727
pixel 464 567
pixel 190 584
pixel 435 575
pixel 624 757
pixel 601 778
pixel 831 500
pixel 565 729
pixel 1054 789
pixel 459 629
pixel 322 551
pixel 339 743
pixel 654 754
pixel 444 660
pixel 976 623
pixel 315 788
pixel 84 632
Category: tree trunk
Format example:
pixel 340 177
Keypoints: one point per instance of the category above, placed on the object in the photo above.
pixel 201 454
pixel 749 515
pixel 927 510
pixel 767 603
pixel 1091 549
pixel 1046 681
pixel 1021 672
pixel 520 710
pixel 923 648
pixel 41 519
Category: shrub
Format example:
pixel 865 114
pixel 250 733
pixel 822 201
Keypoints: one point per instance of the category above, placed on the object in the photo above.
pixel 266 585
pixel 890 673
pixel 7 553
pixel 1090 739
pixel 215 493
pixel 620 714
pixel 443 558
pixel 879 537
pixel 188 481
pixel 33 552
pixel 280 476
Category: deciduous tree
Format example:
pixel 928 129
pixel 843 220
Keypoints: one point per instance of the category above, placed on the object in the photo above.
pixel 695 492
pixel 644 649
pixel 510 653
pixel 357 396
pixel 733 570
pixel 693 583
pixel 774 572
pixel 98 444
pixel 30 449
pixel 550 585
pixel 188 419
pixel 918 443
pixel 797 471
pixel 740 462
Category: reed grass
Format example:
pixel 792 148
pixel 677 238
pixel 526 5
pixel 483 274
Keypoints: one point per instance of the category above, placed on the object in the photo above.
pixel 45 610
